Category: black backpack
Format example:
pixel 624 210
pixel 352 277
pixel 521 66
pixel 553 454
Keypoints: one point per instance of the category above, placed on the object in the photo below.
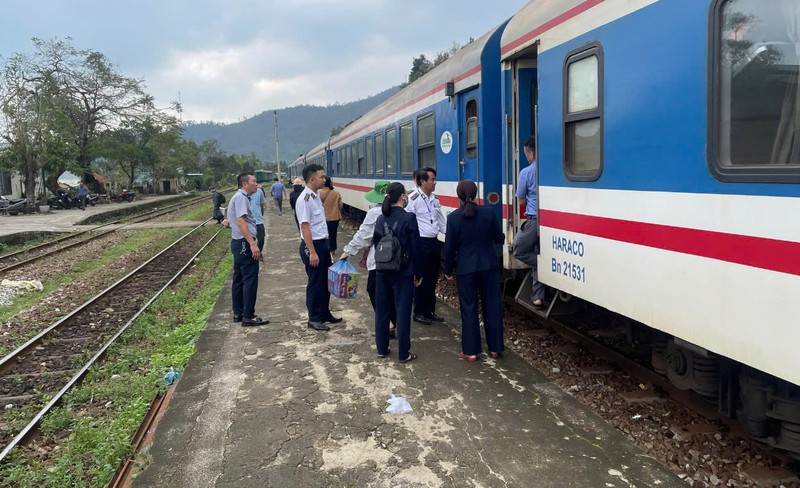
pixel 388 253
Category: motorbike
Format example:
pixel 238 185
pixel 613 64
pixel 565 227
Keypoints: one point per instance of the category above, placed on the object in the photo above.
pixel 123 196
pixel 15 206
pixel 62 200
pixel 91 199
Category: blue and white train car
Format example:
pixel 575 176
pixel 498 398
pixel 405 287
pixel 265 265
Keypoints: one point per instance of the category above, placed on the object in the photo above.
pixel 668 136
pixel 438 121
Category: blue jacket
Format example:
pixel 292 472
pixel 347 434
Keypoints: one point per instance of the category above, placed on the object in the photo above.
pixel 470 242
pixel 407 233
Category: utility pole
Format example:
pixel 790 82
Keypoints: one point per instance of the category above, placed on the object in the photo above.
pixel 277 150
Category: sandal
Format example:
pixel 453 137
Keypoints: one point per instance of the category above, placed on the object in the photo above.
pixel 410 358
pixel 468 357
pixel 386 354
pixel 495 355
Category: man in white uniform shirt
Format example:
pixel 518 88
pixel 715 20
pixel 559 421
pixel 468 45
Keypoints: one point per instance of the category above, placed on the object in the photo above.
pixel 430 220
pixel 314 250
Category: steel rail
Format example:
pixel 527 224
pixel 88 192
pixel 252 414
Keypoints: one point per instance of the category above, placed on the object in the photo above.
pixel 23 434
pixel 158 212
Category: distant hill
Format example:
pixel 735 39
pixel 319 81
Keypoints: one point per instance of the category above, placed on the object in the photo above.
pixel 299 128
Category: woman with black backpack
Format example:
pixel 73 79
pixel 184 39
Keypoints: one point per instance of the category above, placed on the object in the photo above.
pixel 398 266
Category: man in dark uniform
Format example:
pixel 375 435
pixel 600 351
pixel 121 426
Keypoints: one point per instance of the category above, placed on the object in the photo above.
pixel 430 220
pixel 218 199
pixel 246 253
pixel 314 249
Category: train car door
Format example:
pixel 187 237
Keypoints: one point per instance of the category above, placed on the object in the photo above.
pixel 522 123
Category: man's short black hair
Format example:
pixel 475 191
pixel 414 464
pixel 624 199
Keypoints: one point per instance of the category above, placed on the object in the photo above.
pixel 530 143
pixel 422 174
pixel 310 170
pixel 276 179
pixel 242 178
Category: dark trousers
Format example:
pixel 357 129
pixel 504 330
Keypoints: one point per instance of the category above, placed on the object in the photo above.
pixel 333 229
pixel 372 279
pixel 245 279
pixel 261 234
pixel 425 294
pixel 82 201
pixel 487 284
pixel 401 289
pixel 318 299
pixel 279 203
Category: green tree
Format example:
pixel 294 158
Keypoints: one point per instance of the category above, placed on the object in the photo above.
pixel 93 94
pixel 32 123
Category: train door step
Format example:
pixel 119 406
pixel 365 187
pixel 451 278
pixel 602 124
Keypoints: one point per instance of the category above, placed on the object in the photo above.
pixel 769 476
pixel 523 297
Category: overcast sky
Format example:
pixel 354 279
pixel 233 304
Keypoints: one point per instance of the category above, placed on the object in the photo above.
pixel 233 59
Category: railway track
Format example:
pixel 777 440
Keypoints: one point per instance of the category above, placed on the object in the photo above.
pixel 57 358
pixel 29 255
pixel 592 366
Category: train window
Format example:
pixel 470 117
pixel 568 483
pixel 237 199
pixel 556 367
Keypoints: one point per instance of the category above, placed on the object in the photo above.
pixel 338 162
pixel 351 158
pixel 379 157
pixel 583 113
pixel 370 157
pixel 391 152
pixel 361 161
pixel 472 129
pixel 426 141
pixel 754 129
pixel 406 149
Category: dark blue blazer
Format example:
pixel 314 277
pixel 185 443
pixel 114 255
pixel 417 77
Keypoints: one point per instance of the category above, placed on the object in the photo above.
pixel 469 244
pixel 407 233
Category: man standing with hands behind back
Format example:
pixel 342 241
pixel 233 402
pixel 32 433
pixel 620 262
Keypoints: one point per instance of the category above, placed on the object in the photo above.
pixel 246 253
pixel 314 250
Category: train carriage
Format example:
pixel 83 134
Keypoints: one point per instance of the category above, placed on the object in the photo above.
pixel 438 121
pixel 668 151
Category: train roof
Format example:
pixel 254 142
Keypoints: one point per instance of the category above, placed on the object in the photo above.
pixel 318 149
pixel 552 22
pixel 463 68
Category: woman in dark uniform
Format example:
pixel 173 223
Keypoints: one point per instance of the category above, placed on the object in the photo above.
pixel 472 233
pixel 399 284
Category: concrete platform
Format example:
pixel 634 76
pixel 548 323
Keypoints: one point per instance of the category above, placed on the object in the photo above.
pixel 66 220
pixel 282 405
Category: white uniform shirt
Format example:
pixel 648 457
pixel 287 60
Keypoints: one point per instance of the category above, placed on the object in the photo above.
pixel 309 210
pixel 428 210
pixel 363 237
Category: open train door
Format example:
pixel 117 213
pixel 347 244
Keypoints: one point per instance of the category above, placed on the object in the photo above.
pixel 520 100
pixel 522 122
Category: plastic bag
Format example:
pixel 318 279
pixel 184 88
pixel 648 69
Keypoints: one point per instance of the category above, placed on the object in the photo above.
pixel 398 405
pixel 342 279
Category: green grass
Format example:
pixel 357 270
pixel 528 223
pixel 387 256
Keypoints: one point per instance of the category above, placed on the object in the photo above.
pixel 97 419
pixel 199 212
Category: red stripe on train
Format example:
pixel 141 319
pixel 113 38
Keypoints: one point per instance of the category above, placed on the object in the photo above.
pixel 555 21
pixel 757 252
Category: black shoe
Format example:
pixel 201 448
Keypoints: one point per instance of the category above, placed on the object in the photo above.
pixel 333 320
pixel 318 326
pixel 435 318
pixel 422 320
pixel 386 354
pixel 237 318
pixel 254 321
pixel 410 358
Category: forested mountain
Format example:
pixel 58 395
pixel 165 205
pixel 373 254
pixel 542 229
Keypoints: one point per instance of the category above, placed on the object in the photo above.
pixel 299 128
